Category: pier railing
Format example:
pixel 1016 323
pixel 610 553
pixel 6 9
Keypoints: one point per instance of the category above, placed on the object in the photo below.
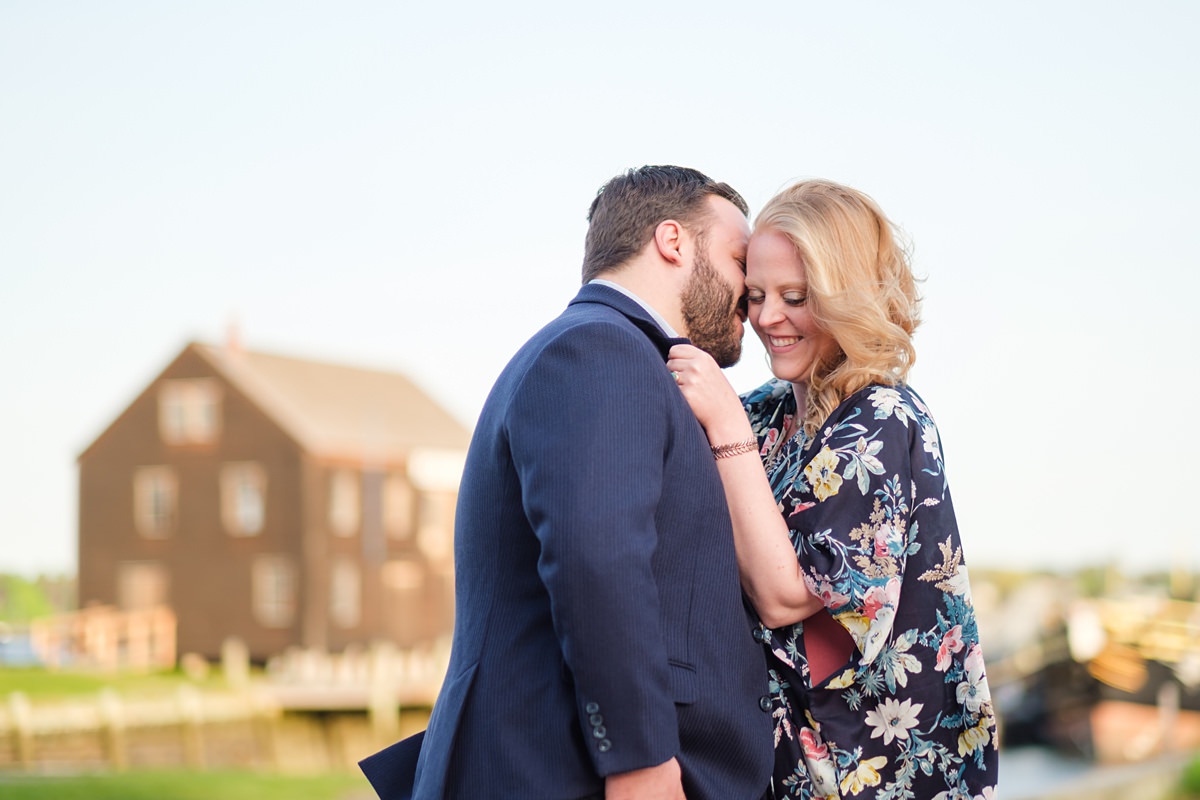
pixel 308 710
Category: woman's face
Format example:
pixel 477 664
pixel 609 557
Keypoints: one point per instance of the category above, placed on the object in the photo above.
pixel 777 296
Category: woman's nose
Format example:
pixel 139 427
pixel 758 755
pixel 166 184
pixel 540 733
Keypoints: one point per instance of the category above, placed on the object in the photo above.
pixel 770 312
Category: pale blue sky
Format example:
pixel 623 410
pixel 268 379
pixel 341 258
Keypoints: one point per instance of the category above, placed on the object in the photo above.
pixel 404 187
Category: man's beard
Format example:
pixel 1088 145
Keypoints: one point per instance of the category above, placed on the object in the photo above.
pixel 710 314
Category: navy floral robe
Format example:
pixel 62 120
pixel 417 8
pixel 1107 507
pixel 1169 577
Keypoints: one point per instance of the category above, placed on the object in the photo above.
pixel 909 715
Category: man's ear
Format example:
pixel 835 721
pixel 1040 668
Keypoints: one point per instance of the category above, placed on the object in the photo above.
pixel 668 240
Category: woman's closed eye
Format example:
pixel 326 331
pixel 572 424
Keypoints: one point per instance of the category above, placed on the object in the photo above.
pixel 789 298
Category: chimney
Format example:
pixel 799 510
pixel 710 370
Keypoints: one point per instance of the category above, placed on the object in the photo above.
pixel 233 340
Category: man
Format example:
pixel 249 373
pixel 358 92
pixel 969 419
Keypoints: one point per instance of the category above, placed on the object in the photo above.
pixel 601 647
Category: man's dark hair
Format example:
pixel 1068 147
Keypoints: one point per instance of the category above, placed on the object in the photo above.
pixel 629 207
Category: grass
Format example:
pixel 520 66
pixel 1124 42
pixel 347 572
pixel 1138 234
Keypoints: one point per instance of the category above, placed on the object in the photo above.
pixel 185 786
pixel 1189 781
pixel 41 684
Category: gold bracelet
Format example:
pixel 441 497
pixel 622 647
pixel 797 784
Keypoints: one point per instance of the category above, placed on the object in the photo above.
pixel 734 448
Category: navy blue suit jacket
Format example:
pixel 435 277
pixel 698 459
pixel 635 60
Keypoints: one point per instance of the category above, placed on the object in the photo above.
pixel 599 621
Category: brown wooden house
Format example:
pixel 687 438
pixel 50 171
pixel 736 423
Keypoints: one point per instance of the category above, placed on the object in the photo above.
pixel 280 501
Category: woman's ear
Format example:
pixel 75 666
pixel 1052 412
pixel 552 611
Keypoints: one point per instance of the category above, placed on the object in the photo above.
pixel 668 240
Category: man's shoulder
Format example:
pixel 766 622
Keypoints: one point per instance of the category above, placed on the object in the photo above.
pixel 587 342
pixel 597 323
pixel 590 356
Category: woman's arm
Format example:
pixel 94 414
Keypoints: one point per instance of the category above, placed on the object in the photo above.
pixel 770 571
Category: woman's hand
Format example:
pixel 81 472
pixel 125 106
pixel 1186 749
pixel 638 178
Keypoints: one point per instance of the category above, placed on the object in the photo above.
pixel 707 391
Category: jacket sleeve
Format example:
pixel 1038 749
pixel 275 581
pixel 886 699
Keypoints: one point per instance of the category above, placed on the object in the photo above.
pixel 588 429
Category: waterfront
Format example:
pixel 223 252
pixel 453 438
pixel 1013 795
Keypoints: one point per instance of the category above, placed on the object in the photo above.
pixel 1027 773
pixel 1036 773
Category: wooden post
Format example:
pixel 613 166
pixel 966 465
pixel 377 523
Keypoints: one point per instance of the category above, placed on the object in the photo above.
pixel 163 636
pixel 112 729
pixel 383 709
pixel 235 663
pixel 1169 695
pixel 266 722
pixel 22 721
pixel 191 714
pixel 135 626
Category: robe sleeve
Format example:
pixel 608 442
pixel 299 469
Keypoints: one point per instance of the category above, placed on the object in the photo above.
pixel 854 536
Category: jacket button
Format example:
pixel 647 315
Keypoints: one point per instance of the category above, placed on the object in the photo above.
pixel 764 702
pixel 592 708
pixel 596 719
pixel 599 732
pixel 605 745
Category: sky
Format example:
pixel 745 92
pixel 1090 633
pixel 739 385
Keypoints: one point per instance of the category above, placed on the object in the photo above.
pixel 404 186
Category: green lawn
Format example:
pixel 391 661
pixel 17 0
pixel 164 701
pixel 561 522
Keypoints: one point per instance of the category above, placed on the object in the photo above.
pixel 1189 782
pixel 39 683
pixel 186 786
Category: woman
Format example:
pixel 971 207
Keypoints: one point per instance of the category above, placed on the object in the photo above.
pixel 875 667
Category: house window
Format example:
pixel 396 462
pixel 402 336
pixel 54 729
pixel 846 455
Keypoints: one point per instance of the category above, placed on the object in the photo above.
pixel 243 498
pixel 154 493
pixel 189 411
pixel 403 575
pixel 141 585
pixel 435 524
pixel 345 594
pixel 345 502
pixel 397 507
pixel 274 591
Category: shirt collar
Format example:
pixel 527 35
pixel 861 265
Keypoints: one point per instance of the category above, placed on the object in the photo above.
pixel 654 315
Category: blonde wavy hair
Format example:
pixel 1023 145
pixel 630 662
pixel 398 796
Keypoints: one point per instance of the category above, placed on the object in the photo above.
pixel 861 289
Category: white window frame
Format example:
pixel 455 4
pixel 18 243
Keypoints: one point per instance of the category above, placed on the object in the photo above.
pixel 435 524
pixel 399 505
pixel 189 411
pixel 275 586
pixel 155 501
pixel 243 498
pixel 345 502
pixel 345 593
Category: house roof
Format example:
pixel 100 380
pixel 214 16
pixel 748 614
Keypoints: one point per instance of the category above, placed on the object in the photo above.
pixel 336 410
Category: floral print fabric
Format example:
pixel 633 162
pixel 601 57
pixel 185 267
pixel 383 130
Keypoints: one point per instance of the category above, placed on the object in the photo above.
pixel 869 513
